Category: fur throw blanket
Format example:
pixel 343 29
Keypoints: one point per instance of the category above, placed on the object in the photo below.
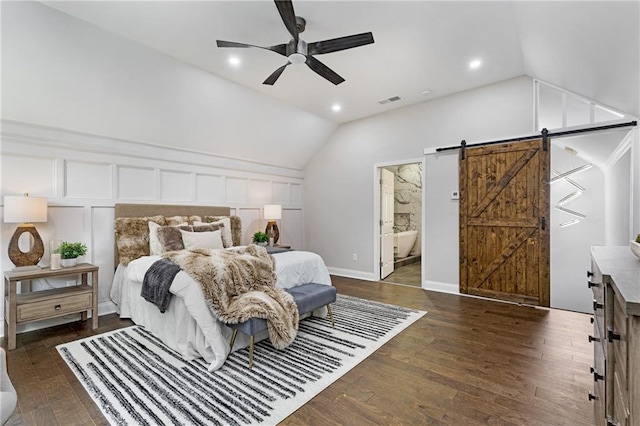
pixel 239 284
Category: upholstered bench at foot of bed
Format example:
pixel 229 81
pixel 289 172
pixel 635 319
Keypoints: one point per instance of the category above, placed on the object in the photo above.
pixel 308 297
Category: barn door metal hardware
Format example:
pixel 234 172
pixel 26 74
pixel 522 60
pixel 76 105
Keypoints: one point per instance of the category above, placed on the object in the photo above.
pixel 536 136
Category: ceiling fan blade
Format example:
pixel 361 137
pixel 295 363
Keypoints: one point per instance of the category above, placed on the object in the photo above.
pixel 340 43
pixel 285 7
pixel 280 48
pixel 275 75
pixel 323 70
pixel 222 43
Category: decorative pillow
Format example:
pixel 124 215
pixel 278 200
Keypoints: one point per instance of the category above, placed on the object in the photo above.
pixel 170 237
pixel 214 226
pixel 155 247
pixel 179 220
pixel 132 236
pixel 235 228
pixel 212 240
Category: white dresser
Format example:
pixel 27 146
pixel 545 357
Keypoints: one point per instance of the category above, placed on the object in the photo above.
pixel 615 281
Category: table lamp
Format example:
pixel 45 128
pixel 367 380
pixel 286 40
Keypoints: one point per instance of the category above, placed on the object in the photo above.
pixel 272 212
pixel 25 210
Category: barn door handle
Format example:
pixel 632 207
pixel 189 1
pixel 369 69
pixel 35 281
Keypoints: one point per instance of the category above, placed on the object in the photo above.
pixel 596 376
pixel 611 335
pixel 543 223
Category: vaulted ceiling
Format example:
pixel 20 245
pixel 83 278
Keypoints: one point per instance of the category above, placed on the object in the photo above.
pixel 591 48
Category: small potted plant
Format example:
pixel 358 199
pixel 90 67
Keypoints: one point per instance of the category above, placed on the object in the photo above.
pixel 69 253
pixel 634 245
pixel 260 238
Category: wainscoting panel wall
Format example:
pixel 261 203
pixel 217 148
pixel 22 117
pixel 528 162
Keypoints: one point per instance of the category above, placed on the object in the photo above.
pixel 136 183
pixel 291 228
pixel 237 190
pixel 84 175
pixel 101 249
pixel 210 188
pixel 176 186
pixel 250 222
pixel 40 180
pixel 88 180
pixel 260 191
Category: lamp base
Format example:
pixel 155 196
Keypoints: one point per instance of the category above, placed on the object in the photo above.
pixel 33 256
pixel 26 268
pixel 272 227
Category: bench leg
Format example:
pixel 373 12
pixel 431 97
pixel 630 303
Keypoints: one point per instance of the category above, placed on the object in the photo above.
pixel 233 338
pixel 251 351
pixel 333 324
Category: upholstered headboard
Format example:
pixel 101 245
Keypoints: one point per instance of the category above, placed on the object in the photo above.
pixel 150 210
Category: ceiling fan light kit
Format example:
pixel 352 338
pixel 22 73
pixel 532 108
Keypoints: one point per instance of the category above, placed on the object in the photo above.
pixel 297 51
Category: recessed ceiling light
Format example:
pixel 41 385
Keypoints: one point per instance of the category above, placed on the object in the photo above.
pixel 234 60
pixel 426 92
pixel 475 64
pixel 336 107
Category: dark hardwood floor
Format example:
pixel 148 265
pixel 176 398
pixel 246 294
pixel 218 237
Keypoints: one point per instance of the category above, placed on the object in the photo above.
pixel 467 362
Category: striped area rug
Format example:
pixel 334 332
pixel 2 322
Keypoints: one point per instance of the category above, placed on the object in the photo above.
pixel 137 380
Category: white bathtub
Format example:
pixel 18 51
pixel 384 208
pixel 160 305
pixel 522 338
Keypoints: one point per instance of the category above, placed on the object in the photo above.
pixel 403 243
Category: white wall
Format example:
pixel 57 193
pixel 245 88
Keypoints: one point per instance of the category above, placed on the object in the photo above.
pixel 83 176
pixel 339 187
pixel 635 182
pixel 617 181
pixel 61 72
pixel 571 246
pixel 90 118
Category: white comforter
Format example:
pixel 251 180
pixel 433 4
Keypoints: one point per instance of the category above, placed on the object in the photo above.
pixel 189 326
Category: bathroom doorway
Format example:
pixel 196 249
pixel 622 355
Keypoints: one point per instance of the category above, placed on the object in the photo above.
pixel 406 212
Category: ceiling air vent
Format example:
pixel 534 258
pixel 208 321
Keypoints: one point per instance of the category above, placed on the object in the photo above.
pixel 389 100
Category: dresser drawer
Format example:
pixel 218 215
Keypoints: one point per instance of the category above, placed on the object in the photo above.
pixel 620 402
pixel 617 336
pixel 598 394
pixel 598 289
pixel 54 307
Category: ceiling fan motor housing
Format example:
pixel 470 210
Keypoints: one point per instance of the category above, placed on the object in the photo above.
pixel 301 23
pixel 297 52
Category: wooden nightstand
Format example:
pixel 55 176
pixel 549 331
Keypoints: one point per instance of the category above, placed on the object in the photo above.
pixel 39 305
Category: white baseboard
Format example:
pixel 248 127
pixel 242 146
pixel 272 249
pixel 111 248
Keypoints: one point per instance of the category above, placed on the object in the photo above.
pixel 441 287
pixel 104 308
pixel 350 273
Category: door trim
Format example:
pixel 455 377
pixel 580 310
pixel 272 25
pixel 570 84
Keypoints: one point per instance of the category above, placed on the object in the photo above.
pixel 376 211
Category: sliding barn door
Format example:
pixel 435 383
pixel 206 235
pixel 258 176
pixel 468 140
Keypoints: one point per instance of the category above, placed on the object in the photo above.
pixel 504 215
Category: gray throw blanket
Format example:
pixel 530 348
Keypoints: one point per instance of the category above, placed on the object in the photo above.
pixel 156 283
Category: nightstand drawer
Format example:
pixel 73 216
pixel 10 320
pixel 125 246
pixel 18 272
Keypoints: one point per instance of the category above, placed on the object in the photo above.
pixel 54 307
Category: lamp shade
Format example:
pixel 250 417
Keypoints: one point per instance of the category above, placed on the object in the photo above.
pixel 273 211
pixel 25 209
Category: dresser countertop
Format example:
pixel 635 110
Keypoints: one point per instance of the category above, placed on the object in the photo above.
pixel 624 269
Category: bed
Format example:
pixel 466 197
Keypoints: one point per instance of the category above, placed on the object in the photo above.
pixel 189 326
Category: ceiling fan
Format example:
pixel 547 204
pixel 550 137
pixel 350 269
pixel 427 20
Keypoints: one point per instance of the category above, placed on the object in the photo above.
pixel 297 51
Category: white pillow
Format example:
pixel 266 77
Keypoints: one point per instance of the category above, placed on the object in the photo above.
pixel 192 240
pixel 227 239
pixel 155 246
